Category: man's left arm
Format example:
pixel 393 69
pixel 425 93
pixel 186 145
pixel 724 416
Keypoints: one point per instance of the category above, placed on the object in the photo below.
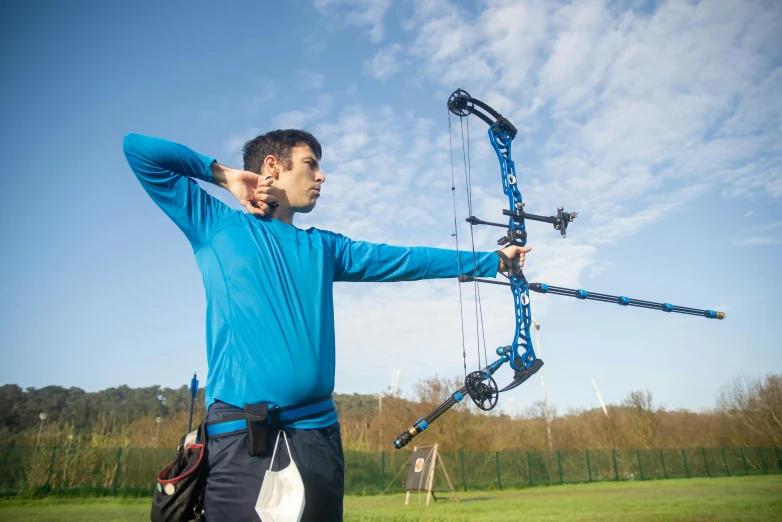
pixel 363 261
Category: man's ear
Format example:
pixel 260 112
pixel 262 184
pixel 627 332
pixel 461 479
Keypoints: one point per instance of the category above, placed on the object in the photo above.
pixel 271 167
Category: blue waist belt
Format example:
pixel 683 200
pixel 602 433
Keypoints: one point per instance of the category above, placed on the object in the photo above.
pixel 276 418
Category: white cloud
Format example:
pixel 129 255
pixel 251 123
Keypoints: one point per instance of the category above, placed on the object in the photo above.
pixel 302 118
pixel 233 147
pixel 385 63
pixel 357 13
pixel 309 80
pixel 386 168
pixel 757 241
pixel 762 234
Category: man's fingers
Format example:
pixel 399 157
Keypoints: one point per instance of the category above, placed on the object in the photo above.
pixel 265 181
pixel 265 197
pixel 269 199
pixel 515 255
pixel 257 208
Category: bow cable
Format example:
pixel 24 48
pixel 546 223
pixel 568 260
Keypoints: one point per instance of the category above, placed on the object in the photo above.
pixel 479 327
pixel 456 237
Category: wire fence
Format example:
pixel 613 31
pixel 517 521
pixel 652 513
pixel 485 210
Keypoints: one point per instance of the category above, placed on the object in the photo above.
pixel 76 471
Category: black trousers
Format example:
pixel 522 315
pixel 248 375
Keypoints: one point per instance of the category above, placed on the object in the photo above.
pixel 235 478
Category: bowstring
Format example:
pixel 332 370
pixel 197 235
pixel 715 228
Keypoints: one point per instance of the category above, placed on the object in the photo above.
pixel 456 237
pixel 476 289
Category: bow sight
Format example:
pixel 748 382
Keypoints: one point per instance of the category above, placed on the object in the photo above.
pixel 480 385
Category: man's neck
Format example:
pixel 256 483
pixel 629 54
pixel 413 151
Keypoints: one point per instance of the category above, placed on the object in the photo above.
pixel 283 214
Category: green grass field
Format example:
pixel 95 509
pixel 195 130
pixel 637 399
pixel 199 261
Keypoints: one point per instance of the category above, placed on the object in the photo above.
pixel 737 498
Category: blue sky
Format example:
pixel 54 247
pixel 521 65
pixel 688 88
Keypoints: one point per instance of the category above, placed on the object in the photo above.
pixel 659 122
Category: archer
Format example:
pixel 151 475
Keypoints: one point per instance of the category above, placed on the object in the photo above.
pixel 270 314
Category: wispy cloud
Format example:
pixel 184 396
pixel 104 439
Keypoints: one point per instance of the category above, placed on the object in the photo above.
pixel 234 144
pixel 757 241
pixel 309 80
pixel 762 234
pixel 301 118
pixel 385 63
pixel 357 13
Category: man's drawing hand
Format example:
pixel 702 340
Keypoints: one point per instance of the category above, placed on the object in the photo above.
pixel 254 192
pixel 266 196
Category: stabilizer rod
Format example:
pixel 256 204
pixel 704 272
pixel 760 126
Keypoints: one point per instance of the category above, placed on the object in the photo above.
pixel 621 300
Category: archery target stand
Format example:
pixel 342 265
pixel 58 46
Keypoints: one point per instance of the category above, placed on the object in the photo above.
pixel 420 477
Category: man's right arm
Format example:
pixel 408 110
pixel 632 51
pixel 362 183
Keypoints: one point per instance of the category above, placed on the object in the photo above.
pixel 165 170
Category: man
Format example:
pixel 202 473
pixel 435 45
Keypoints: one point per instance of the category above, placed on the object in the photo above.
pixel 269 315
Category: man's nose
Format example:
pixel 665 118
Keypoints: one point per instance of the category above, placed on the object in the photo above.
pixel 320 176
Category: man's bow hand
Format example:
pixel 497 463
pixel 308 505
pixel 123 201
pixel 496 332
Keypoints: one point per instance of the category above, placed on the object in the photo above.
pixel 514 256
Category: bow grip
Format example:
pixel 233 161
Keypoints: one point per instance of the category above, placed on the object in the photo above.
pixel 512 265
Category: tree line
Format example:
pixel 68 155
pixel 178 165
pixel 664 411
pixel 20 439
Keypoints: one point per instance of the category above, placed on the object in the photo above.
pixel 747 412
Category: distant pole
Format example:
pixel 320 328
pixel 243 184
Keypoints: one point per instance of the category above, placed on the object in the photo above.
pixel 193 391
pixel 391 391
pixel 380 421
pixel 600 398
pixel 536 324
pixel 41 416
pixel 158 420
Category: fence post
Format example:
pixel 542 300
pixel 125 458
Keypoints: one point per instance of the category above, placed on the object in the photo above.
pixel 529 469
pixel 706 462
pixel 640 466
pixel 744 458
pixel 66 465
pixel 589 467
pixel 497 458
pixel 116 473
pixel 686 469
pixel 464 480
pixel 616 469
pixel 725 461
pixel 51 468
pixel 559 464
pixel 382 471
pixel 762 460
pixel 662 459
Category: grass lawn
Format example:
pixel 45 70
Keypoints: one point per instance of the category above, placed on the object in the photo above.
pixel 736 498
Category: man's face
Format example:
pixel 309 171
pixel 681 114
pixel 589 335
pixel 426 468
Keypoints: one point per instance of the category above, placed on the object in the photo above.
pixel 302 181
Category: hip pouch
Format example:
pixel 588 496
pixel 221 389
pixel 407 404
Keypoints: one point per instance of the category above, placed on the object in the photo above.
pixel 178 495
pixel 258 427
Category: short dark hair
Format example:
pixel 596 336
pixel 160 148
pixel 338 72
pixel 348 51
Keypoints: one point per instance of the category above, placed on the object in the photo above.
pixel 277 143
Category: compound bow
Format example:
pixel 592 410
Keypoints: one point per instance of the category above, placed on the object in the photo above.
pixel 480 385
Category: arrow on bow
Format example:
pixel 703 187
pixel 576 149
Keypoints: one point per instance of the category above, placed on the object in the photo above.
pixel 520 355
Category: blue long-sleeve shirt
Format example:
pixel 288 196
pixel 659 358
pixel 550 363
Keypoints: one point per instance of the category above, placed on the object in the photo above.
pixel 269 285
